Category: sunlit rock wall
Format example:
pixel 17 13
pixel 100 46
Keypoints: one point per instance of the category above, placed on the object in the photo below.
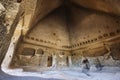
pixel 8 22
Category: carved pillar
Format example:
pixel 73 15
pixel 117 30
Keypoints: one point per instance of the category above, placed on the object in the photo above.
pixel 54 61
pixel 69 61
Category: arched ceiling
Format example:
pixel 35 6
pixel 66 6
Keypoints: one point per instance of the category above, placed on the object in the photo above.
pixel 72 26
pixel 69 23
pixel 41 8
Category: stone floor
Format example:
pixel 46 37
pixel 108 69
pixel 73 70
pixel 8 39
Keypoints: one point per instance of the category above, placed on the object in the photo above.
pixel 107 73
pixel 4 76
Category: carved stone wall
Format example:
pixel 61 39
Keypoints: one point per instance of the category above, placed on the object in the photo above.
pixel 39 56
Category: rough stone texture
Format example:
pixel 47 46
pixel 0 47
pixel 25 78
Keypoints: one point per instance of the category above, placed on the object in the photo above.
pixel 8 25
pixel 27 8
pixel 2 9
pixel 3 28
pixel 115 51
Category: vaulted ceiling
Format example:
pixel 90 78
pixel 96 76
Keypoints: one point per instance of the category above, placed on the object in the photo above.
pixel 42 8
pixel 69 23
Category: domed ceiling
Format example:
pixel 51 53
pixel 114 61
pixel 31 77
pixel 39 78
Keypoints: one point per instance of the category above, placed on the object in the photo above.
pixel 70 25
pixel 35 10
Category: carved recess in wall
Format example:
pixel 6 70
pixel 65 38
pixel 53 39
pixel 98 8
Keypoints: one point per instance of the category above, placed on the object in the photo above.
pixel 61 59
pixel 30 57
pixel 115 51
pixel 25 57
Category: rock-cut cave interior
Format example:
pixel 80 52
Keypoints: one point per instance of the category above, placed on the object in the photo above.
pixel 61 39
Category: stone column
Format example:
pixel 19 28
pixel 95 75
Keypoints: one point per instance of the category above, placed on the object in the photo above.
pixel 69 61
pixel 54 61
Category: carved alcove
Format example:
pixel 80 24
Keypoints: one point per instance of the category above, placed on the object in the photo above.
pixel 25 56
